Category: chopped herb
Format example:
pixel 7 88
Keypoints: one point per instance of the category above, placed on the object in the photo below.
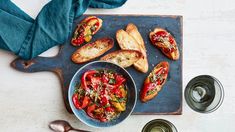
pixel 112 81
pixel 120 100
pixel 107 105
pixel 93 28
pixel 75 90
pixel 153 78
pixel 152 91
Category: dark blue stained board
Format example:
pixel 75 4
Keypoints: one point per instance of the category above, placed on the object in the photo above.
pixel 169 99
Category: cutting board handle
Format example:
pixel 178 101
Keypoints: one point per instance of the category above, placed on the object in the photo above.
pixel 44 64
pixel 35 65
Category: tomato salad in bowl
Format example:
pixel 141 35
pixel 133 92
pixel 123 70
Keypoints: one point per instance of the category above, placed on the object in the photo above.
pixel 102 94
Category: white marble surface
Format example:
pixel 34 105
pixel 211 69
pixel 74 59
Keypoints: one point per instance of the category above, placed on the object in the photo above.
pixel 29 101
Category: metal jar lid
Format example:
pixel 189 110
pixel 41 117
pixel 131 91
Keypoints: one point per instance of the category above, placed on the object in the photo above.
pixel 159 125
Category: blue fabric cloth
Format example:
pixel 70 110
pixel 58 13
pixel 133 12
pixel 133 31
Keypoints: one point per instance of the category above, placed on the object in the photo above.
pixel 27 38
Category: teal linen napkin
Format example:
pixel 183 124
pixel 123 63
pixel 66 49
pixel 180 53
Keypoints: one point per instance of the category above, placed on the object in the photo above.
pixel 28 38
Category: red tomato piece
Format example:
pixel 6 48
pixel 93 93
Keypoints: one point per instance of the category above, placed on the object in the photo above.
pixel 105 79
pixel 82 103
pixel 119 80
pixel 171 39
pixel 84 76
pixel 161 34
pixel 104 101
pixel 102 119
pixel 90 110
pixel 117 92
pixel 109 109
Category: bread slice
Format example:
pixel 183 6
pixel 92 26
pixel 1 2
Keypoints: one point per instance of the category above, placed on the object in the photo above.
pixel 163 46
pixel 142 63
pixel 155 88
pixel 124 58
pixel 92 50
pixel 84 30
pixel 126 41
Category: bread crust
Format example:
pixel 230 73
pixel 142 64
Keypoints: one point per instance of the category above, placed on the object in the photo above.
pixel 124 58
pixel 92 50
pixel 142 63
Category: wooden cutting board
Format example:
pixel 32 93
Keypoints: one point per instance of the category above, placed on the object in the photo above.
pixel 169 99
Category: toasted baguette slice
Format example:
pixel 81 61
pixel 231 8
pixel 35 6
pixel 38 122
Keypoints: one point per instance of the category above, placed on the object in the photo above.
pixel 124 58
pixel 126 41
pixel 84 32
pixel 164 46
pixel 142 63
pixel 155 81
pixel 92 50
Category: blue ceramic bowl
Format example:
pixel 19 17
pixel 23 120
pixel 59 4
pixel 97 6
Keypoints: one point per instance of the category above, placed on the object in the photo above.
pixel 131 97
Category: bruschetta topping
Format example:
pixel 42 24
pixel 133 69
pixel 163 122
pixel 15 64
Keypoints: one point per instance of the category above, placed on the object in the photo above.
pixel 165 39
pixel 88 27
pixel 156 78
pixel 154 82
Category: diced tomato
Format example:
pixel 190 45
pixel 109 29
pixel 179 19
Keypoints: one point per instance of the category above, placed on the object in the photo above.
pixel 147 87
pixel 84 76
pixel 171 39
pixel 75 41
pixel 166 50
pixel 104 101
pixel 117 92
pixel 89 76
pixel 82 103
pixel 105 79
pixel 76 101
pixel 90 110
pixel 159 71
pixel 103 92
pixel 85 102
pixel 97 24
pixel 102 119
pixel 96 81
pixel 119 80
pixel 78 41
pixel 109 109
pixel 159 82
pixel 161 33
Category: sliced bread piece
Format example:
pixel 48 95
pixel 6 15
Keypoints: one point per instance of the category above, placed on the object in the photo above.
pixel 142 63
pixel 124 58
pixel 92 50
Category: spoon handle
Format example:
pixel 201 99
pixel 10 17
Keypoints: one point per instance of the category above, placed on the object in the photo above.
pixel 79 130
